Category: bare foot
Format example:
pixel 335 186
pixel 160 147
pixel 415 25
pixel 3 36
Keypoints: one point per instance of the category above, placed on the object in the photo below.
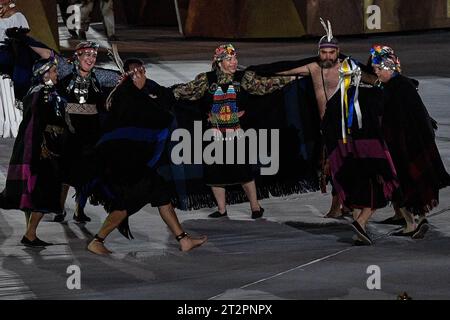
pixel 98 247
pixel 188 243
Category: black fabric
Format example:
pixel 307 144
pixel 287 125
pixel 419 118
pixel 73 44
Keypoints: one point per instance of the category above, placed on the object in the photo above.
pixel 122 178
pixel 161 95
pixel 362 172
pixel 78 146
pixel 409 133
pixel 293 111
pixel 35 175
pixel 17 59
pixel 228 174
pixel 272 69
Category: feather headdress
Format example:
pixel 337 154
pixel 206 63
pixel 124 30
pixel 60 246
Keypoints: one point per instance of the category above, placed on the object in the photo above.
pixel 328 41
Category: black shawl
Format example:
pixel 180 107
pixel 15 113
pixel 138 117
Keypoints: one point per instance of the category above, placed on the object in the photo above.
pixel 293 111
pixel 409 133
pixel 35 175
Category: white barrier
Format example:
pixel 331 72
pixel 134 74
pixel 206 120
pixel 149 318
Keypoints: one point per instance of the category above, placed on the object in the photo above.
pixel 16 112
pixel 10 116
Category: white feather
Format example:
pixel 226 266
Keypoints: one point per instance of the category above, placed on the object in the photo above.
pixel 324 25
pixel 330 32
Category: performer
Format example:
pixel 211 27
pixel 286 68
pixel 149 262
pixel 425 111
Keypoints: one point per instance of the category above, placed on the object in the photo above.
pixel 127 180
pixel 324 72
pixel 409 133
pixel 361 167
pixel 35 175
pixel 85 89
pixel 222 94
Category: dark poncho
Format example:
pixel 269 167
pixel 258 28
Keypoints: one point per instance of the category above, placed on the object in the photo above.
pixel 127 155
pixel 410 137
pixel 34 175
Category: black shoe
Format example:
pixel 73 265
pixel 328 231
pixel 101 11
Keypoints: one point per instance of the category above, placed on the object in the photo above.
pixel 60 217
pixel 258 213
pixel 36 243
pixel 81 217
pixel 394 221
pixel 363 236
pixel 217 214
pixel 421 229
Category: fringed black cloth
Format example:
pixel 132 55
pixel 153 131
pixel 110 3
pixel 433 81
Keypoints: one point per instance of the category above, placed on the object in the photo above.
pixel 362 170
pixel 409 134
pixel 292 111
pixel 125 159
pixel 34 176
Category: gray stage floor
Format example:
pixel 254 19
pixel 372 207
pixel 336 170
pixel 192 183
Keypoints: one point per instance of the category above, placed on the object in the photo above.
pixel 293 253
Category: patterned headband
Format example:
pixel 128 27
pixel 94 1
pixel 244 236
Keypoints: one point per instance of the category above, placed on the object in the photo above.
pixel 86 45
pixel 224 51
pixel 42 66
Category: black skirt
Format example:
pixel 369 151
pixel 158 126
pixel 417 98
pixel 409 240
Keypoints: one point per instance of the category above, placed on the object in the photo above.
pixel 229 172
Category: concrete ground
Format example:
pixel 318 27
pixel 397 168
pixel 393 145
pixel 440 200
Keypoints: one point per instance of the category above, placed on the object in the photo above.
pixel 292 253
